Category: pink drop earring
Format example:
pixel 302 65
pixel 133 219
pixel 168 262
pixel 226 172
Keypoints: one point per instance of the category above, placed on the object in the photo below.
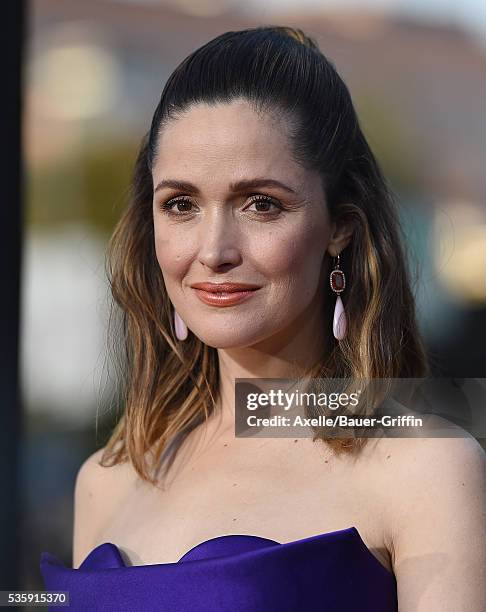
pixel 338 283
pixel 179 326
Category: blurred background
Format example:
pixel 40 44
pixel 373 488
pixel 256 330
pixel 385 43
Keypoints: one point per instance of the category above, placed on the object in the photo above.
pixel 92 76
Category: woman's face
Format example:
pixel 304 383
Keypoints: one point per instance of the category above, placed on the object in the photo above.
pixel 268 235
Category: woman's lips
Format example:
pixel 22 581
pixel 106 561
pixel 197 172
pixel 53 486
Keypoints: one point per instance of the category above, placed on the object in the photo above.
pixel 224 294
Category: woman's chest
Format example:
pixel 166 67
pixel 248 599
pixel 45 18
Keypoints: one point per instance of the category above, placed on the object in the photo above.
pixel 278 491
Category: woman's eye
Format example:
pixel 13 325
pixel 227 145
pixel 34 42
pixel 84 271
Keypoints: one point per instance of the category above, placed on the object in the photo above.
pixel 182 205
pixel 263 204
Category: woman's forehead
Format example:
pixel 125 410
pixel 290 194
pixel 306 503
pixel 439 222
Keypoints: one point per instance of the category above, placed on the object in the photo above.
pixel 226 139
pixel 224 126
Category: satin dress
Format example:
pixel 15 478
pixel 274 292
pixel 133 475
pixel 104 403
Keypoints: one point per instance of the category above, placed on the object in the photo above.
pixel 330 572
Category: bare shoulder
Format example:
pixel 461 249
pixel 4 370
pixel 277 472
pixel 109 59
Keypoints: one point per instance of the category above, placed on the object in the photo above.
pixel 437 521
pixel 97 489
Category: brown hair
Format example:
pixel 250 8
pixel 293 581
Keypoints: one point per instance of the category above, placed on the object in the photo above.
pixel 169 387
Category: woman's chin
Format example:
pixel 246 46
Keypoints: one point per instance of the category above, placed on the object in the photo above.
pixel 229 339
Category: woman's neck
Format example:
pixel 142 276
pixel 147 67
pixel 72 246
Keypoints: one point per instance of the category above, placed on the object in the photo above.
pixel 292 359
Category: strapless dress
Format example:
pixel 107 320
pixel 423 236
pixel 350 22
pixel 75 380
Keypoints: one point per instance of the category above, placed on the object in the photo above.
pixel 330 572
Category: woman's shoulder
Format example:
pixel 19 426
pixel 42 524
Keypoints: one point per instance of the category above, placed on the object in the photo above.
pixel 412 467
pixel 93 476
pixel 445 450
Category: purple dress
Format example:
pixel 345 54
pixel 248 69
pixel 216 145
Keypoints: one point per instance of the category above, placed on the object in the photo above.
pixel 332 572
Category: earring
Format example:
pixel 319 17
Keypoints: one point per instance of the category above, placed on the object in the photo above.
pixel 179 326
pixel 338 283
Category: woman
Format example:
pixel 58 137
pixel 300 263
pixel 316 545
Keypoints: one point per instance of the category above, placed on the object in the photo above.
pixel 255 172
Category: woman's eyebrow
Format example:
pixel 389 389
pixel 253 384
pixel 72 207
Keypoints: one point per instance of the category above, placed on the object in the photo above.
pixel 242 185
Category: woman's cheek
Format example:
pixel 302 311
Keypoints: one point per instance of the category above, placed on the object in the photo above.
pixel 171 253
pixel 281 254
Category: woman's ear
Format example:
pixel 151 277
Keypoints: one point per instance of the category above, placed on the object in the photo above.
pixel 341 234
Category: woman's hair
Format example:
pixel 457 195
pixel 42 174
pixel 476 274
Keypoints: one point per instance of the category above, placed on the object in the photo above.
pixel 168 387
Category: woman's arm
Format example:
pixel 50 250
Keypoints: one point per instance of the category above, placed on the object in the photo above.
pixel 88 498
pixel 439 526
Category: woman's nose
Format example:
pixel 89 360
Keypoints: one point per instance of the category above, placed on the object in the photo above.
pixel 218 241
